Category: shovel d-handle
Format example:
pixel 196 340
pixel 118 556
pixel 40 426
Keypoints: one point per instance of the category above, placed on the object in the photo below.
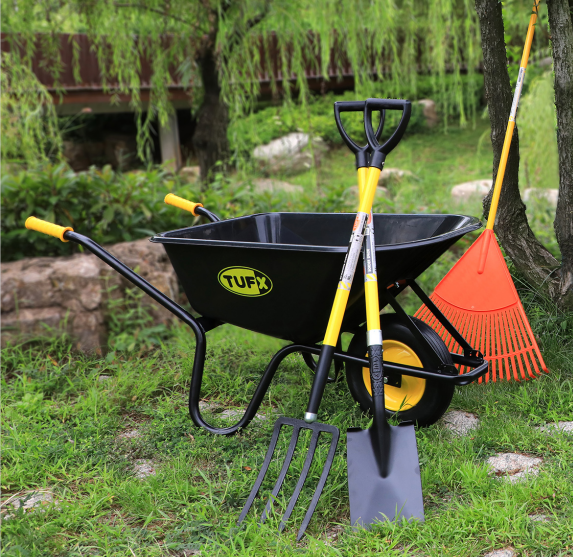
pixel 380 152
pixel 361 153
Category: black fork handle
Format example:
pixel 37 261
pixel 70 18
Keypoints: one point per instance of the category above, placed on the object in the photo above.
pixel 380 152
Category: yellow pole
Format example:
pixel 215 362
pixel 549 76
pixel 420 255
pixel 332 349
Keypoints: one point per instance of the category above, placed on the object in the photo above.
pixel 511 122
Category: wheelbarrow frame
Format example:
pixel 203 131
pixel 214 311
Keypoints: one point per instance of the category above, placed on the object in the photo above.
pixel 201 325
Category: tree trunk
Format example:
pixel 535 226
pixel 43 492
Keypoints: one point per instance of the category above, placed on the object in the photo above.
pixel 561 26
pixel 210 138
pixel 530 258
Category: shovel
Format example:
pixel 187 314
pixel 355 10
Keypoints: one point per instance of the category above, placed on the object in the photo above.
pixel 383 468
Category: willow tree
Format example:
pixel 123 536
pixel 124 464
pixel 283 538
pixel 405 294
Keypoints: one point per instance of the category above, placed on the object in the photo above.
pixel 219 48
pixel 530 257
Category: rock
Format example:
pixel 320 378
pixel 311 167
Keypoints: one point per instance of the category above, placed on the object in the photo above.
pixel 50 295
pixel 539 518
pixel 473 189
pixel 566 427
pixel 270 185
pixel 459 422
pixel 290 154
pixel 144 468
pixel 514 466
pixel 380 192
pixel 549 195
pixel 393 175
pixel 120 150
pixel 30 502
pixel 103 378
pixel 76 155
pixel 507 552
pixel 130 434
pixel 430 113
pixel 192 173
pixel 544 62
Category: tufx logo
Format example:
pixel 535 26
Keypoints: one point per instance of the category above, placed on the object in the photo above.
pixel 245 281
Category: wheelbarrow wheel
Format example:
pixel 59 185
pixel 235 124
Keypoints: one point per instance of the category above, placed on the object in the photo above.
pixel 422 401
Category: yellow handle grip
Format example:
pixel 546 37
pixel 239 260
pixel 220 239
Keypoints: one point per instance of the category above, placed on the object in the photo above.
pixel 176 201
pixel 32 223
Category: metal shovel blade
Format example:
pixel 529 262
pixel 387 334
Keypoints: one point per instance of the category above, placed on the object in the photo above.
pixel 297 425
pixel 376 498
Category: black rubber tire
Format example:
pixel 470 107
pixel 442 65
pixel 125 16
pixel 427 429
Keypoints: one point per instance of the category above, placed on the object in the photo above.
pixel 437 394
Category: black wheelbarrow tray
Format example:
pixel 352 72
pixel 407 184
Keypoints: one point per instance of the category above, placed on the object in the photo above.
pixel 276 274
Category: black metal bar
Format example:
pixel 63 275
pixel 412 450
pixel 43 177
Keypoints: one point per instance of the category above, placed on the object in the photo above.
pixel 389 298
pixel 206 213
pixel 425 299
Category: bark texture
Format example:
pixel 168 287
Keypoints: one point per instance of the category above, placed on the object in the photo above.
pixel 210 138
pixel 528 255
pixel 561 26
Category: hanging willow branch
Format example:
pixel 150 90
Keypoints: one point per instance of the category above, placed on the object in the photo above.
pixel 387 40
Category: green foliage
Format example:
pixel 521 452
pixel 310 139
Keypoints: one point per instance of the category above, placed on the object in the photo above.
pixel 385 41
pixel 113 207
pixel 537 134
pixel 316 117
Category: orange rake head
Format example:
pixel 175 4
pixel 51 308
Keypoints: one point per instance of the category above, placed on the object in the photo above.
pixel 479 298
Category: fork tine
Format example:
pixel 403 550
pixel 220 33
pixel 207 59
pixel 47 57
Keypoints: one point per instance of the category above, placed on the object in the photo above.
pixel 283 472
pixel 320 486
pixel 268 457
pixel 301 480
pixel 297 425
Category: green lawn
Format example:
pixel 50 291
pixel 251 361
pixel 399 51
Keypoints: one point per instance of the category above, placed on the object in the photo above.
pixel 76 428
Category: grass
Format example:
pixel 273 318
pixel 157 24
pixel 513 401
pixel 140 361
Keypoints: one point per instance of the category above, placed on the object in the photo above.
pixel 63 426
pixel 76 426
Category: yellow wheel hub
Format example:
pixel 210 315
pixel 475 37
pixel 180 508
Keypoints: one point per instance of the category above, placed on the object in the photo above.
pixel 412 389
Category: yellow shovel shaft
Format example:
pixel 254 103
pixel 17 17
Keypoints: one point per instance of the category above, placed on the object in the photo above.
pixel 343 291
pixel 511 122
pixel 370 282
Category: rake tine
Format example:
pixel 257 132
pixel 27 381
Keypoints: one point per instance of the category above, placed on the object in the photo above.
pixel 283 473
pixel 268 457
pixel 325 471
pixel 301 480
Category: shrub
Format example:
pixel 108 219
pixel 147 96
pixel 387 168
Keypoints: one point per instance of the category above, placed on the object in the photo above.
pixel 112 207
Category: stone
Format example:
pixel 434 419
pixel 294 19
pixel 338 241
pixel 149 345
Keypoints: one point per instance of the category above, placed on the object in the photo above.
pixel 130 434
pixel 390 174
pixel 514 466
pixel 76 155
pixel 460 422
pixel 103 378
pixel 507 552
pixel 290 154
pixel 380 192
pixel 566 427
pixel 144 468
pixel 474 189
pixel 30 502
pixel 539 518
pixel 191 173
pixel 50 295
pixel 430 113
pixel 549 195
pixel 120 150
pixel 267 184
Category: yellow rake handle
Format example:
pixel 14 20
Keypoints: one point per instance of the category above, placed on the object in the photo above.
pixel 176 201
pixel 45 227
pixel 511 123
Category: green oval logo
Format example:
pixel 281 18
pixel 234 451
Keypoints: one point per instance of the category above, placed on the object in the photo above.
pixel 245 281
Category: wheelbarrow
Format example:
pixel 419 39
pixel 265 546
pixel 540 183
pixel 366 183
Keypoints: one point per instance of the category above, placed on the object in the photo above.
pixel 275 273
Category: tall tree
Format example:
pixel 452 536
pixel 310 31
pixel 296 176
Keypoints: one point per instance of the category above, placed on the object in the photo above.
pixel 222 46
pixel 528 255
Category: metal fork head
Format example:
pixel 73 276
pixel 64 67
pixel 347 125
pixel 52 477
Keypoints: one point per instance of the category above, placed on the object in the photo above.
pixel 297 425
